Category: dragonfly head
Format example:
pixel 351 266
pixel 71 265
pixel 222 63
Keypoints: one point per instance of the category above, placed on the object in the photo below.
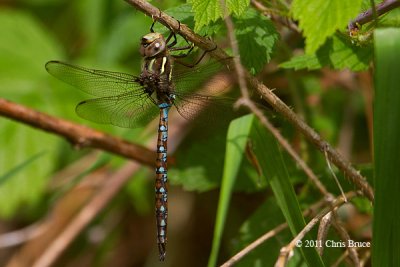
pixel 152 44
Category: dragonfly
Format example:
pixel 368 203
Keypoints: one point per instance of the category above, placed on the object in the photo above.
pixel 131 101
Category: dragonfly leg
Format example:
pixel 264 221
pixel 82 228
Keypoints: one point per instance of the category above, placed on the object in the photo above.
pixel 198 60
pixel 155 20
pixel 172 34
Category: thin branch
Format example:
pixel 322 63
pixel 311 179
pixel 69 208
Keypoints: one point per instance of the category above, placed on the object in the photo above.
pixel 236 55
pixel 335 177
pixel 206 44
pixel 350 172
pixel 368 15
pixel 285 251
pixel 323 230
pixel 246 101
pixel 286 145
pixel 285 21
pixel 21 236
pixel 238 256
pixel 344 235
pixel 110 188
pixel 365 258
pixel 86 215
pixel 80 136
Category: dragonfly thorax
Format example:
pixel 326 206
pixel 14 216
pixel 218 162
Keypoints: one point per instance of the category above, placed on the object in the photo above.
pixel 156 69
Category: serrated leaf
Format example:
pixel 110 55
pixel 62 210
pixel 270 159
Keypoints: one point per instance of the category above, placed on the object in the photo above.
pixel 337 53
pixel 237 7
pixel 207 11
pixel 185 15
pixel 256 37
pixel 310 62
pixel 319 19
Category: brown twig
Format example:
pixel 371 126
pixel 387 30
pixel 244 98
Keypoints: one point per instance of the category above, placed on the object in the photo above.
pixel 285 21
pixel 86 214
pixel 80 136
pixel 110 188
pixel 368 15
pixel 323 230
pixel 246 101
pixel 238 256
pixel 344 235
pixel 285 251
pixel 206 44
pixel 21 236
pixel 285 144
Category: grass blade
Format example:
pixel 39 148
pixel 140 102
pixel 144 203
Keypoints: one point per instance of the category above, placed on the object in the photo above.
pixel 237 137
pixel 386 226
pixel 273 167
pixel 20 167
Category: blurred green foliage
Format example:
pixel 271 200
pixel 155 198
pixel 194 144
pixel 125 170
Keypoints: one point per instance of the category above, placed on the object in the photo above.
pixel 105 35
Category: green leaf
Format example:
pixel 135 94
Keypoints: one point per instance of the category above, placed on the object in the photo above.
pixel 207 11
pixel 237 137
pixel 270 158
pixel 319 19
pixel 237 7
pixel 256 37
pixel 391 19
pixel 338 52
pixel 386 225
pixel 185 15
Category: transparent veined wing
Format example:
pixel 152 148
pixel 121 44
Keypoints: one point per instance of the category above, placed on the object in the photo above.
pixel 95 82
pixel 212 108
pixel 190 79
pixel 127 110
pixel 189 104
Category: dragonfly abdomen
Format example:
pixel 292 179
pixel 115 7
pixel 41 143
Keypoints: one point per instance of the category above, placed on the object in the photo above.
pixel 161 187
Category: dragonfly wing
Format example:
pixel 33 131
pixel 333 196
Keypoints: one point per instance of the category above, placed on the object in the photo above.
pixel 127 110
pixel 191 105
pixel 189 79
pixel 95 82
